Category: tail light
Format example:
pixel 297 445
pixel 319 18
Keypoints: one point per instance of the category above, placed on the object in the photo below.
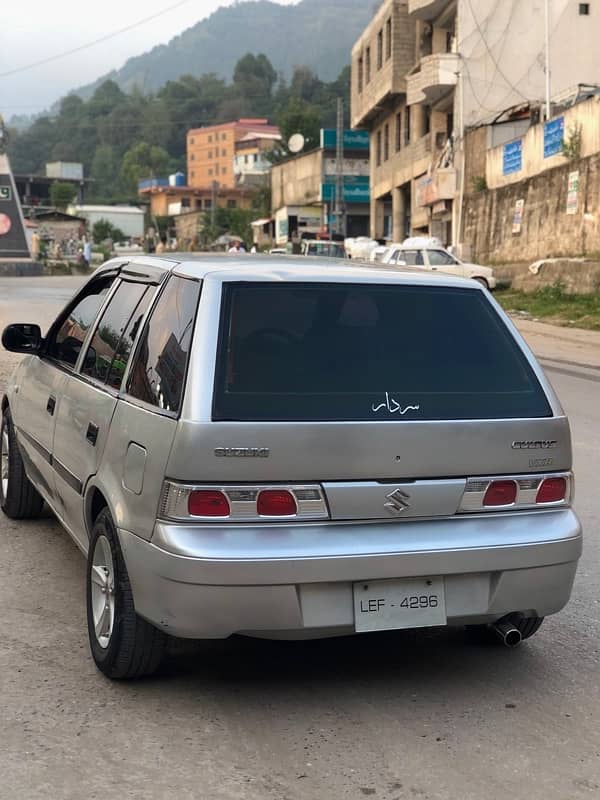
pixel 501 493
pixel 517 492
pixel 276 503
pixel 190 502
pixel 552 490
pixel 208 503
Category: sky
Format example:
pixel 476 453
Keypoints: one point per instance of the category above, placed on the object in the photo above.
pixel 38 29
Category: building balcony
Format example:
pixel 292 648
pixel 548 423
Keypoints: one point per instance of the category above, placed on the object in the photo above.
pixel 428 9
pixel 434 188
pixel 436 77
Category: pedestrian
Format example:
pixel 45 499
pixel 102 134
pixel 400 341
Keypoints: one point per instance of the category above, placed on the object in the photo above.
pixel 161 246
pixel 87 252
pixel 236 247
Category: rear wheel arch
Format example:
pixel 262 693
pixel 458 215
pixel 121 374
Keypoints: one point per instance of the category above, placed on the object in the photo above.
pixel 95 502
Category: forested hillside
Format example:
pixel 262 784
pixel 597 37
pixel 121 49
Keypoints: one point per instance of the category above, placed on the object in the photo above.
pixel 122 137
pixel 319 33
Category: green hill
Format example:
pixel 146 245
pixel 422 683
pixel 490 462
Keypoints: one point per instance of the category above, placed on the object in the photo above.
pixel 316 33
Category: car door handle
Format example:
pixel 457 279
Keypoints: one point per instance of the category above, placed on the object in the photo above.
pixel 92 434
pixel 51 405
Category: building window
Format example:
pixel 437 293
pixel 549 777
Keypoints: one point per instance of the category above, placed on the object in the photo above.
pixel 360 74
pixel 378 149
pixel 192 174
pixel 232 204
pixel 367 65
pixel 210 153
pixel 207 202
pixel 192 157
pixel 224 137
pixel 398 131
pixel 192 140
pixel 380 49
pixel 388 39
pixel 224 153
pixel 386 142
pixel 407 125
pixel 223 170
pixel 584 9
pixel 210 137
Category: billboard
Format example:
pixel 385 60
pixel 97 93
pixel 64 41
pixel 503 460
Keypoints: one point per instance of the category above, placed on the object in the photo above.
pixel 554 134
pixel 512 157
pixel 353 140
pixel 356 189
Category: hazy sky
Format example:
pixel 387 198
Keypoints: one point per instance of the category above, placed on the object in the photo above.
pixel 32 30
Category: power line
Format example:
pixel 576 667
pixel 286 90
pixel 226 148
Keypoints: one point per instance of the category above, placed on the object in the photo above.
pixel 491 54
pixel 94 42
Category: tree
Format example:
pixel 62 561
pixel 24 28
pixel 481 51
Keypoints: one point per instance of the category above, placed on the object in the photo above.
pixel 142 160
pixel 62 194
pixel 300 117
pixel 104 173
pixel 253 80
pixel 103 229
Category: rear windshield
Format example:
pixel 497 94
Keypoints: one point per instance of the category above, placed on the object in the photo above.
pixel 320 352
pixel 330 249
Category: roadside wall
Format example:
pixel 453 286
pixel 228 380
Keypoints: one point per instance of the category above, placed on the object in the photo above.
pixel 551 222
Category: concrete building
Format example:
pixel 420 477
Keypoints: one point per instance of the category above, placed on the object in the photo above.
pixel 211 150
pixel 168 201
pixel 251 166
pixel 303 188
pixel 424 71
pixel 128 219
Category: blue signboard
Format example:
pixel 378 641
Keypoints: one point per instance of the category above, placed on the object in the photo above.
pixel 512 157
pixel 353 140
pixel 356 189
pixel 554 134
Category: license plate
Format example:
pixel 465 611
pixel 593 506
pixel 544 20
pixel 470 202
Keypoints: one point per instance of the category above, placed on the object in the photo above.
pixel 403 603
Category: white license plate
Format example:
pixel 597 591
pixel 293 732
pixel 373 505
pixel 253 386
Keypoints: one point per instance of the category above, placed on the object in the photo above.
pixel 402 603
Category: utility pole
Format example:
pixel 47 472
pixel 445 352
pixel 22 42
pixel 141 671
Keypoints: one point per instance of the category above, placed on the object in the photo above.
pixel 547 31
pixel 339 169
pixel 213 204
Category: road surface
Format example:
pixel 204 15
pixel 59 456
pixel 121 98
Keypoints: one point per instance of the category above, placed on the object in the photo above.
pixel 426 716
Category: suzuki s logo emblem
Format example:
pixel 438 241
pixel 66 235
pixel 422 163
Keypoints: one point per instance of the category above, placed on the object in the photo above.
pixel 398 502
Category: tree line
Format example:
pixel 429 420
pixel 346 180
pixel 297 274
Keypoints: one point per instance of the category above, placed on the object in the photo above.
pixel 122 137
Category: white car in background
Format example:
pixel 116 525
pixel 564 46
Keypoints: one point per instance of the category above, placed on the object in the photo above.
pixel 435 258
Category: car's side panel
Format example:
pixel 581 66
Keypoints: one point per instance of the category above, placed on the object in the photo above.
pixel 82 427
pixel 39 389
pixel 134 465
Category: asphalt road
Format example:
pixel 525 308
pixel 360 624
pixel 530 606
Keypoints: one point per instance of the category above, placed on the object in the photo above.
pixel 419 716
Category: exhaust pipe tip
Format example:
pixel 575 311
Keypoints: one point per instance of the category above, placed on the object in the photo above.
pixel 510 636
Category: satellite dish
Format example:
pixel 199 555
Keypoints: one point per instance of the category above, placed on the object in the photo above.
pixel 295 143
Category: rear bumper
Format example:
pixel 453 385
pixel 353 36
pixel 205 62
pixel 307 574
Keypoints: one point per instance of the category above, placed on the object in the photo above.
pixel 214 581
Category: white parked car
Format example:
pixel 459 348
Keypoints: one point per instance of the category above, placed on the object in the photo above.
pixel 437 259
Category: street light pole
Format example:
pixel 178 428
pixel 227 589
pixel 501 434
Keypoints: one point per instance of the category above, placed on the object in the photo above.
pixel 547 26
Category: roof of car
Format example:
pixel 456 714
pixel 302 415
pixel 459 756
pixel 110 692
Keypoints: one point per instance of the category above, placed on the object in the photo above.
pixel 242 266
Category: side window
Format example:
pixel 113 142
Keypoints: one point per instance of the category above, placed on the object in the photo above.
pixel 159 367
pixel 439 258
pixel 101 351
pixel 65 344
pixel 123 352
pixel 413 258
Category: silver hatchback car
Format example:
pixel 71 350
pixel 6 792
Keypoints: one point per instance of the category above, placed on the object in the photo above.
pixel 287 449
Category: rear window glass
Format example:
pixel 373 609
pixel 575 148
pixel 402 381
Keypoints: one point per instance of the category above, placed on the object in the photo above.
pixel 319 352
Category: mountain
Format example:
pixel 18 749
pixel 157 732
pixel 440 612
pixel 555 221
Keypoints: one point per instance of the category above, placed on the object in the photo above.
pixel 315 33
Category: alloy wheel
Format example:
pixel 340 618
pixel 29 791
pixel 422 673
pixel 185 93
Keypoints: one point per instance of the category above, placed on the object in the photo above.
pixel 4 460
pixel 102 577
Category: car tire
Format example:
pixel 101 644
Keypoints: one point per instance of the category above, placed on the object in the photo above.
pixel 123 645
pixel 19 499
